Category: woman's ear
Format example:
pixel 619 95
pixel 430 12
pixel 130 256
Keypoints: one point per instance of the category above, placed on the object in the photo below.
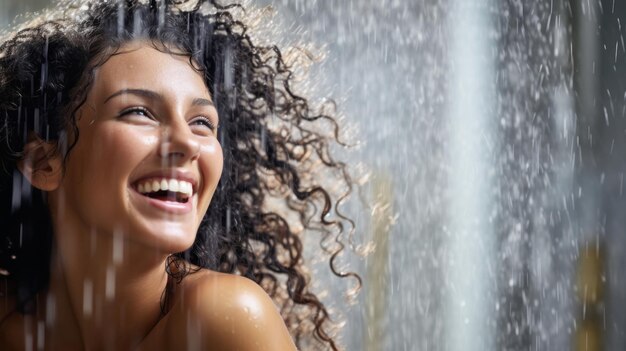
pixel 41 163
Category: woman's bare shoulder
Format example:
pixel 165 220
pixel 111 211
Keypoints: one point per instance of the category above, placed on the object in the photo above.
pixel 226 312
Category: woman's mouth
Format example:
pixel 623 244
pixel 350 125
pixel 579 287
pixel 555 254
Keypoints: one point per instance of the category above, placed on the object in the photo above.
pixel 169 195
pixel 172 190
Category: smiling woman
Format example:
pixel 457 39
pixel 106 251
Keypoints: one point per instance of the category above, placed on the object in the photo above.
pixel 142 155
pixel 139 133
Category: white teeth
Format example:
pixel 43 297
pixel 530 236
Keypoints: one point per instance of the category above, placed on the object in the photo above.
pixel 184 187
pixel 173 185
pixel 156 186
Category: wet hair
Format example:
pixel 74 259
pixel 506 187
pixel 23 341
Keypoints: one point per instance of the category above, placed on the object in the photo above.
pixel 270 136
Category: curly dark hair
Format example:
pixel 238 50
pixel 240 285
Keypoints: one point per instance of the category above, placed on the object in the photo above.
pixel 267 196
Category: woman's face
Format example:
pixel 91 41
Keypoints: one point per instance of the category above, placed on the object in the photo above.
pixel 147 160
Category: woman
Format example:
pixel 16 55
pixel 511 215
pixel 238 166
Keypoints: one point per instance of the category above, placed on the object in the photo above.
pixel 149 185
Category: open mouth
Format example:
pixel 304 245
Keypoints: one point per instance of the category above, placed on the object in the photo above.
pixel 171 190
pixel 168 196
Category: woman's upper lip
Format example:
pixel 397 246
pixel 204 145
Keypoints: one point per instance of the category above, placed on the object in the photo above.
pixel 178 174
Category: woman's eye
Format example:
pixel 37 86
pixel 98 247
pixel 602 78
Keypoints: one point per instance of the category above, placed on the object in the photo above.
pixel 137 114
pixel 136 111
pixel 204 123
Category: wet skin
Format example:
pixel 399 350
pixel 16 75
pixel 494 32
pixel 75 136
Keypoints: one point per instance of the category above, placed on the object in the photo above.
pixel 148 116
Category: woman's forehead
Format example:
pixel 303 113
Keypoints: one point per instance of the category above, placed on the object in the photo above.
pixel 141 65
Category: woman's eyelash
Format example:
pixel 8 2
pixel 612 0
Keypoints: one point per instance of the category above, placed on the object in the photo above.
pixel 205 121
pixel 136 110
pixel 202 120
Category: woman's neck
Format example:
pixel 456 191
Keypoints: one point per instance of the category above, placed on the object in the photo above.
pixel 105 291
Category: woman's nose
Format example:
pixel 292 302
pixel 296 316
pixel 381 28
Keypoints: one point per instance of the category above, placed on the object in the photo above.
pixel 178 143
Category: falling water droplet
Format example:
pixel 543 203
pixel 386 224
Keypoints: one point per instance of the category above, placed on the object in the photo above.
pixel 121 13
pixel 118 247
pixel 41 335
pixel 263 139
pixel 228 219
pixel 161 19
pixel 50 310
pixel 28 340
pixel 137 24
pixel 110 283
pixel 16 196
pixel 87 298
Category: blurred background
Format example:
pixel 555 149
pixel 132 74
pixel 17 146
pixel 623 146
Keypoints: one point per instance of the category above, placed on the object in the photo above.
pixel 495 132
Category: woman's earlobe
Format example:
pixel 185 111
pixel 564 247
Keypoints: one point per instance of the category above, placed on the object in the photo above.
pixel 41 163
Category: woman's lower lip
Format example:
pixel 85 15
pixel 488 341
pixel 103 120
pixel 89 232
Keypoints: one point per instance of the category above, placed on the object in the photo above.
pixel 167 206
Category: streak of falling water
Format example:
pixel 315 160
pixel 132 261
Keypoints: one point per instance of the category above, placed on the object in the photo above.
pixel 471 234
pixel 120 17
pixel 16 196
pixel 110 283
pixel 87 298
pixel 50 310
pixel 41 335
pixel 118 247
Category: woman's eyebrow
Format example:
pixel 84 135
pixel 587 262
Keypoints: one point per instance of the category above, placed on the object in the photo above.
pixel 202 102
pixel 153 95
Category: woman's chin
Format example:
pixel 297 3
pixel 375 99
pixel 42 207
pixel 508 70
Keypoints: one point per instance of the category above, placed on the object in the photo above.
pixel 165 236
